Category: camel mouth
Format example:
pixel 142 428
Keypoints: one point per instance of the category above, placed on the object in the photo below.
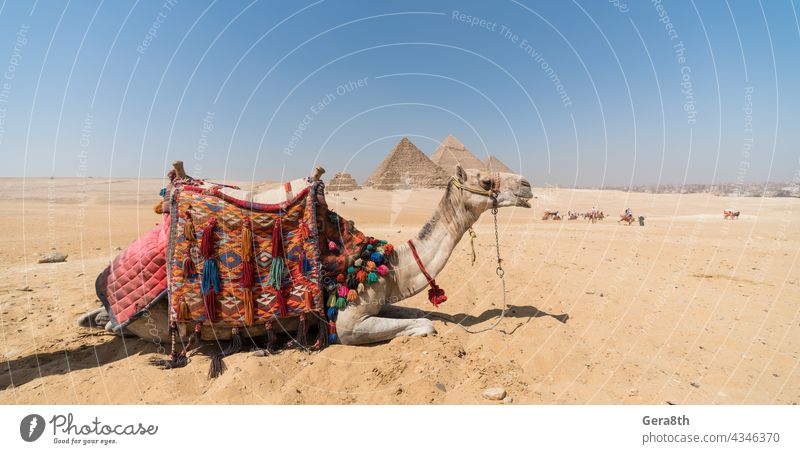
pixel 523 202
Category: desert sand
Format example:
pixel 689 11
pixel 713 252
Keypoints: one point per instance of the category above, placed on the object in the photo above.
pixel 687 309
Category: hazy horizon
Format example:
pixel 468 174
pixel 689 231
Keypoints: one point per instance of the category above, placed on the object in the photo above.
pixel 571 94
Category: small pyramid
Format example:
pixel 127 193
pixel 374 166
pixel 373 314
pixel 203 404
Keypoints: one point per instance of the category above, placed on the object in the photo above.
pixel 495 165
pixel 343 181
pixel 406 166
pixel 452 152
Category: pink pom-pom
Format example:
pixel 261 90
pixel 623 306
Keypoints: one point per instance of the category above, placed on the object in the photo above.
pixel 331 245
pixel 343 291
pixel 383 269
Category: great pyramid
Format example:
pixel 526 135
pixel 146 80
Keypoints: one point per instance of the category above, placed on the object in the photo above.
pixel 451 152
pixel 495 165
pixel 406 167
pixel 343 181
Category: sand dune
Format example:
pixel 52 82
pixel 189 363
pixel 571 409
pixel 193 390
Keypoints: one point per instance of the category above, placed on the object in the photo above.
pixel 688 309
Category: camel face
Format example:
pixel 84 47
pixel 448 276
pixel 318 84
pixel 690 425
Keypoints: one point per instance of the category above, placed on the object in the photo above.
pixel 515 190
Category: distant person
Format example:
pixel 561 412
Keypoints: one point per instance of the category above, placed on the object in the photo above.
pixel 628 212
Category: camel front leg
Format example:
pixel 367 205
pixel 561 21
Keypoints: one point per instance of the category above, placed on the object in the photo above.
pixel 354 329
pixel 392 311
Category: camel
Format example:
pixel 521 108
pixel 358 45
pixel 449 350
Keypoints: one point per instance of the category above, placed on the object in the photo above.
pixel 730 214
pixel 551 214
pixel 373 317
pixel 594 217
pixel 626 218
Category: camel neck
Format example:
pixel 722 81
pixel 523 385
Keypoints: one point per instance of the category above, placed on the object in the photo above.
pixel 437 239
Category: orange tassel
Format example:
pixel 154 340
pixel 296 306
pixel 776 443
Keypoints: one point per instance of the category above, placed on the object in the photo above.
pixel 352 295
pixel 308 301
pixel 188 229
pixel 249 308
pixel 185 314
pixel 361 276
pixel 159 207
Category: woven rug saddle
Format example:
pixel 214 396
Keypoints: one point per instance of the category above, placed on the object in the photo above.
pixel 237 264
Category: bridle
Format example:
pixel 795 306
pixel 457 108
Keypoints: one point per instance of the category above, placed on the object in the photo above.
pixel 492 193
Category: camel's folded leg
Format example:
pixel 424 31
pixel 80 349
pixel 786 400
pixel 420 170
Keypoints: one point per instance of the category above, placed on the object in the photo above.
pixel 392 311
pixel 96 318
pixel 368 330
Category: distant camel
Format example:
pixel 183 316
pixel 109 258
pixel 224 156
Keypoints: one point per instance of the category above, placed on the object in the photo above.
pixel 594 217
pixel 730 214
pixel 626 218
pixel 551 214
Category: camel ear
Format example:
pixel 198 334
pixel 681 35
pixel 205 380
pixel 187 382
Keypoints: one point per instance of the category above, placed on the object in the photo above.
pixel 461 174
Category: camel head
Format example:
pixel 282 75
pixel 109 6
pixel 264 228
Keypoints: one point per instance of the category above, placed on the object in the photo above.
pixel 511 189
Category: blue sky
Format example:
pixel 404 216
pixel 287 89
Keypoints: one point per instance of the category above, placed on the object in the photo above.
pixel 569 93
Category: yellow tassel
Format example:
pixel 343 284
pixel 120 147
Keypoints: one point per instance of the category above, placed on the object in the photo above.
pixel 247 240
pixel 249 309
pixel 188 229
pixel 185 313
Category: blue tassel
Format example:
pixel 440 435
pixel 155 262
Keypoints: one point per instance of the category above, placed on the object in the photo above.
pixel 376 257
pixel 210 277
pixel 333 339
pixel 332 313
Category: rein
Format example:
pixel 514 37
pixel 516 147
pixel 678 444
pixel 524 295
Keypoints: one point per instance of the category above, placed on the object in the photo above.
pixel 492 194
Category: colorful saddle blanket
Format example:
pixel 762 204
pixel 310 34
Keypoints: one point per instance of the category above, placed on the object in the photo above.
pixel 235 263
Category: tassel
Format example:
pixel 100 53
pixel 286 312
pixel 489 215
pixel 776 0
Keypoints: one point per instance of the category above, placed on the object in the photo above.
pixel 332 246
pixel 217 364
pixel 248 274
pixel 388 249
pixel 341 302
pixel 249 307
pixel 207 238
pixel 351 270
pixel 308 301
pixel 376 257
pixel 332 313
pixel 370 266
pixel 436 295
pixel 184 314
pixel 382 270
pixel 302 331
pixel 188 229
pixel 351 282
pixel 372 278
pixel 175 359
pixel 272 339
pixel 361 276
pixel 358 263
pixel 322 334
pixel 209 287
pixel 278 266
pixel 332 338
pixel 343 291
pixel 158 208
pixel 360 288
pixel 281 300
pixel 352 296
pixel 188 266
pixel 332 300
pixel 340 278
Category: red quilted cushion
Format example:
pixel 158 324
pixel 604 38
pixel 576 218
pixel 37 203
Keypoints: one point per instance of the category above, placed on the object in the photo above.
pixel 136 276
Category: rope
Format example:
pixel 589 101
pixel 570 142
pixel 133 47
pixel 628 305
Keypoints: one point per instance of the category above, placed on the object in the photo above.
pixel 499 270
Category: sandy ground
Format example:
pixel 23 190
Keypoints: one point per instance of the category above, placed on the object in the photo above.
pixel 688 309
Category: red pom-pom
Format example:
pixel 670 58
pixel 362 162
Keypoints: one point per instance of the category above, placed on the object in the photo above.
pixel 388 249
pixel 340 278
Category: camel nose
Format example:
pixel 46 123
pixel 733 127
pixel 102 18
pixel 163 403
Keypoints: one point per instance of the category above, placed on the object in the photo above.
pixel 524 188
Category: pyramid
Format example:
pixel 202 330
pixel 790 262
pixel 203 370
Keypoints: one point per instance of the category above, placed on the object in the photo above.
pixel 451 152
pixel 495 165
pixel 406 167
pixel 343 181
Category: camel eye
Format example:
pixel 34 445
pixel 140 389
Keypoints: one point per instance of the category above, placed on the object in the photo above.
pixel 486 183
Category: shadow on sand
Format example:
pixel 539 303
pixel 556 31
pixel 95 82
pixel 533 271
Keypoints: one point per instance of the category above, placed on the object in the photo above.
pixel 22 370
pixel 517 312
